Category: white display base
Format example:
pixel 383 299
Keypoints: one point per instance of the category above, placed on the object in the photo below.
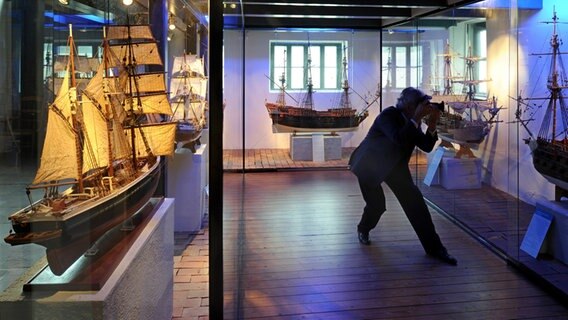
pixel 557 239
pixel 140 288
pixel 186 182
pixel 317 147
pixel 462 173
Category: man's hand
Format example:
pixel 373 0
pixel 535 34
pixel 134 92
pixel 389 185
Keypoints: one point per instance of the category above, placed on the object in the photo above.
pixel 433 118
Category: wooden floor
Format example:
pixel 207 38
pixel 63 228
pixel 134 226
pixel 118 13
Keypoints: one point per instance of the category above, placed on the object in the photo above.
pixel 291 252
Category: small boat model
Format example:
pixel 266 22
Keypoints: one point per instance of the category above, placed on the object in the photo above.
pixel 550 146
pixel 101 155
pixel 305 118
pixel 188 96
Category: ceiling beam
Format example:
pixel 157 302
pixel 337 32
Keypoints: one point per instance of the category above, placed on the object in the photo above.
pixel 354 3
pixel 314 11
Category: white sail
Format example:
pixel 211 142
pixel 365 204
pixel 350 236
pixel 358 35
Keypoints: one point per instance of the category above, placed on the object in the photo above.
pixel 145 53
pixel 141 32
pixel 59 155
pixel 155 135
pixel 96 146
pixel 188 64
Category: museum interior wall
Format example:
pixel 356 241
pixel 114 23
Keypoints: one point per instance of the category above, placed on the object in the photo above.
pixel 246 90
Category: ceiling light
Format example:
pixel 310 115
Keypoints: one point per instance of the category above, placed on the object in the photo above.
pixel 65 2
pixel 172 22
pixel 127 2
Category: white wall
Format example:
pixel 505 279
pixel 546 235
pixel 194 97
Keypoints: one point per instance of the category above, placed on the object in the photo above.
pixel 514 70
pixel 364 65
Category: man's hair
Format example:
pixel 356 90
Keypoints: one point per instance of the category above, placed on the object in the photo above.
pixel 411 96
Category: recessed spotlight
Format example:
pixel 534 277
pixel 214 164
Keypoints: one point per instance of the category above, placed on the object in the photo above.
pixel 127 2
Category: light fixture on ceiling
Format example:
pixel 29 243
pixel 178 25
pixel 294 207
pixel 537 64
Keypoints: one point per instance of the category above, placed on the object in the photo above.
pixel 127 2
pixel 172 22
pixel 65 2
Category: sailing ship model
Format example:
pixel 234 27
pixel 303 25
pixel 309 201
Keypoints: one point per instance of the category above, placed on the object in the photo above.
pixel 468 120
pixel 305 118
pixel 188 96
pixel 550 147
pixel 101 155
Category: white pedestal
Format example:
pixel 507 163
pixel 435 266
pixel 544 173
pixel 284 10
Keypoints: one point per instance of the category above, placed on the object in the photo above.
pixel 317 147
pixel 457 173
pixel 187 181
pixel 557 239
pixel 140 287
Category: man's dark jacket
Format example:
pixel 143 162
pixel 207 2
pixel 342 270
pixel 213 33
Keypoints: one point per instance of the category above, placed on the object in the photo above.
pixel 389 142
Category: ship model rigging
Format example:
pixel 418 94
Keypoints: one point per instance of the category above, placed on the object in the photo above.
pixel 305 118
pixel 101 155
pixel 550 146
pixel 188 96
pixel 468 120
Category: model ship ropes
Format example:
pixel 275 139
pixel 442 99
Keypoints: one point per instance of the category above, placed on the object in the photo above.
pixel 468 120
pixel 101 155
pixel 305 118
pixel 550 146
pixel 188 87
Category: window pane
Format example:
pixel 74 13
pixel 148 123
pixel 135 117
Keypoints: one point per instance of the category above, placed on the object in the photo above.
pixel 279 60
pixel 297 68
pixel 415 66
pixel 482 65
pixel 387 67
pixel 316 66
pixel 85 51
pixel 400 61
pixel 330 67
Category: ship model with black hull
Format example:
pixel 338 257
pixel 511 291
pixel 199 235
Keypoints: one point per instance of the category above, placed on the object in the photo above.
pixel 550 146
pixel 188 96
pixel 100 161
pixel 305 118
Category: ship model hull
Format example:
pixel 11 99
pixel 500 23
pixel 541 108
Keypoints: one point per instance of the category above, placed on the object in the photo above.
pixel 296 119
pixel 551 161
pixel 83 225
pixel 187 135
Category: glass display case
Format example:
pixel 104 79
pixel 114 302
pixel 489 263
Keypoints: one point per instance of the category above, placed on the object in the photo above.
pixel 87 129
pixel 482 61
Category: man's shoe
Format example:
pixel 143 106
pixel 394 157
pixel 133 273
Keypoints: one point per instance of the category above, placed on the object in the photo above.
pixel 364 238
pixel 444 256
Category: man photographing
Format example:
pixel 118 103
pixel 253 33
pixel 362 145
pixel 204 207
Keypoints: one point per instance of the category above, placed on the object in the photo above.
pixel 383 156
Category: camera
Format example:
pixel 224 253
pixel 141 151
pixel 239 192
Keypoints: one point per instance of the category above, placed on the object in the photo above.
pixel 438 105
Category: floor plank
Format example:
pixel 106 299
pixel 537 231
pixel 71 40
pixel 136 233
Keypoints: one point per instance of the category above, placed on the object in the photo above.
pixel 291 252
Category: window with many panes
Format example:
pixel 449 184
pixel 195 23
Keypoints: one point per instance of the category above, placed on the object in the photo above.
pixel 402 65
pixel 289 61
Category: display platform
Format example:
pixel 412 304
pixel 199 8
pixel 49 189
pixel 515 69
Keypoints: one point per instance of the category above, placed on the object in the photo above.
pixel 187 183
pixel 451 172
pixel 556 239
pixel 114 285
pixel 317 147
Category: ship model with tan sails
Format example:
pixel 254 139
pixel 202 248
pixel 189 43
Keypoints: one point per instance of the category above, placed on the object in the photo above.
pixel 305 118
pixel 101 155
pixel 188 97
pixel 550 146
